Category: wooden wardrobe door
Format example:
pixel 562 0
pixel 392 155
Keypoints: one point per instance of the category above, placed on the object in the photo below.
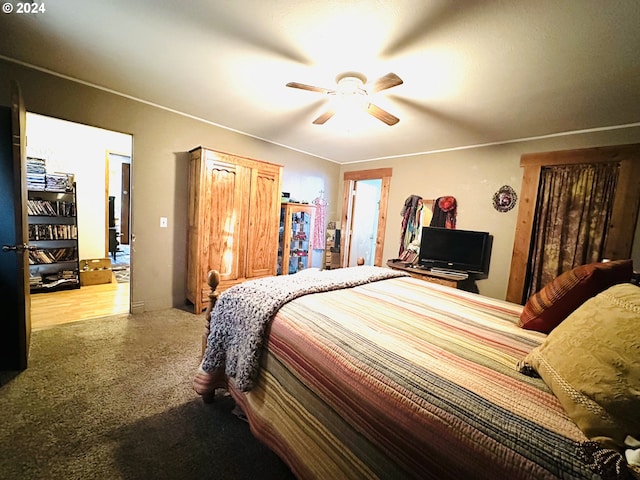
pixel 226 191
pixel 264 215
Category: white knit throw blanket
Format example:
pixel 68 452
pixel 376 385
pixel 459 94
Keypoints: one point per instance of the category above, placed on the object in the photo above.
pixel 242 313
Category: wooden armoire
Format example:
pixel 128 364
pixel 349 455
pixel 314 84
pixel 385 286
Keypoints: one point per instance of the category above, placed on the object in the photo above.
pixel 234 213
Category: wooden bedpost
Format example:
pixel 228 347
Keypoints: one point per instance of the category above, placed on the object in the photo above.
pixel 213 279
pixel 218 381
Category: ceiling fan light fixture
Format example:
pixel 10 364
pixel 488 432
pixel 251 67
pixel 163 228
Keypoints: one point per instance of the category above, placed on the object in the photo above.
pixel 351 83
pixel 351 95
pixel 350 92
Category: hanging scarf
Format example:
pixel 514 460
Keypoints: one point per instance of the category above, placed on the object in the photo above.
pixel 410 221
pixel 444 212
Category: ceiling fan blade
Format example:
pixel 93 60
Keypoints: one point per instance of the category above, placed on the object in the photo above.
pixel 324 117
pixel 311 88
pixel 382 115
pixel 388 81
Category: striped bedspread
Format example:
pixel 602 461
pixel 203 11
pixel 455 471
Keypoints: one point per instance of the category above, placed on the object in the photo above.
pixel 405 379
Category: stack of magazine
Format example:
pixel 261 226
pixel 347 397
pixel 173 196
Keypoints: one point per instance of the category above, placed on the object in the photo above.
pixel 36 173
pixel 38 178
pixel 57 182
pixel 35 281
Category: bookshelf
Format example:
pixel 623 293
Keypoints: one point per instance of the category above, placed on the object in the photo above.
pixel 53 238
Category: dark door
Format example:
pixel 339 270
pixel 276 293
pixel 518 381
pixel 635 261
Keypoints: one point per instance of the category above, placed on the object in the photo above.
pixel 15 327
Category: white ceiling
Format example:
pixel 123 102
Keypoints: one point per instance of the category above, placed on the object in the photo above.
pixel 475 72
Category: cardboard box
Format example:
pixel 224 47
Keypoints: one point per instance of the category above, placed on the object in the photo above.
pixel 95 271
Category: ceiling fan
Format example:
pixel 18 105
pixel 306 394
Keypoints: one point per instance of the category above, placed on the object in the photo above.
pixel 352 87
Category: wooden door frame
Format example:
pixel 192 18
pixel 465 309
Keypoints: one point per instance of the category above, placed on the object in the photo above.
pixel 625 208
pixel 350 178
pixel 106 203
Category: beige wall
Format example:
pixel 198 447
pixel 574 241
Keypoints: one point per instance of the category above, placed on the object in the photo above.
pixel 472 176
pixel 161 140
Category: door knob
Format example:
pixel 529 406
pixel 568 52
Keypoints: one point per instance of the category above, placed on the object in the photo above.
pixel 15 248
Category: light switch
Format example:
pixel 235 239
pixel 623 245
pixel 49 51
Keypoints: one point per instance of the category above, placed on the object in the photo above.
pixel 163 222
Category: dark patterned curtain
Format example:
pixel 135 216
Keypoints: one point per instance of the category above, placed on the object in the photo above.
pixel 572 218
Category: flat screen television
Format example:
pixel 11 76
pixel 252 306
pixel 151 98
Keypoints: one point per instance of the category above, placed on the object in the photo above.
pixel 456 250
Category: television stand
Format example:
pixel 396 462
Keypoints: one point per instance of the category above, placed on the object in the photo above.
pixel 451 273
pixel 459 280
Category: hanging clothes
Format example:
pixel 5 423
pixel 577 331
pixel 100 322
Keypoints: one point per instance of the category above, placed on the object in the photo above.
pixel 444 212
pixel 410 221
pixel 319 236
pixel 427 212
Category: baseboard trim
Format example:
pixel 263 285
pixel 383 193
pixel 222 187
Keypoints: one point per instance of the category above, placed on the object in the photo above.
pixel 137 307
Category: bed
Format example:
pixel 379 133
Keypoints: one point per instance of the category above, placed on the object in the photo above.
pixel 366 372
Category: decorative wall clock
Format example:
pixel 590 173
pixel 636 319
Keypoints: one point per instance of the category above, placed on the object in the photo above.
pixel 504 199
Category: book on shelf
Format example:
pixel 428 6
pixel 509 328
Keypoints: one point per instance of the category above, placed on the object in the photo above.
pixel 52 255
pixel 52 232
pixel 57 208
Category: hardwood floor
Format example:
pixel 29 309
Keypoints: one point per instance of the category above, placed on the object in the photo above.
pixel 55 308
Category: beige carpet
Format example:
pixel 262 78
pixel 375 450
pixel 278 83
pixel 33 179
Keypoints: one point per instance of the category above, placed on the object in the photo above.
pixel 112 399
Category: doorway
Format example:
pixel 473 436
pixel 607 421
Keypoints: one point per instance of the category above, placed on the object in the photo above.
pixel 84 152
pixel 365 212
pixel 118 215
pixel 364 208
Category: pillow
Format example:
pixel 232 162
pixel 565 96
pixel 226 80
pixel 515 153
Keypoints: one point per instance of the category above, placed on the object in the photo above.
pixel 591 362
pixel 555 301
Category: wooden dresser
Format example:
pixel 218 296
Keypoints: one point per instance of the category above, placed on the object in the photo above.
pixel 453 281
pixel 234 213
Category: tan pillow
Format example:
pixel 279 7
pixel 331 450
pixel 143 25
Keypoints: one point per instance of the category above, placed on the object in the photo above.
pixel 545 309
pixel 591 362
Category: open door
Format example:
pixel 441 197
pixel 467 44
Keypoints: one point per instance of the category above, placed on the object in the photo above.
pixel 364 216
pixel 15 328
